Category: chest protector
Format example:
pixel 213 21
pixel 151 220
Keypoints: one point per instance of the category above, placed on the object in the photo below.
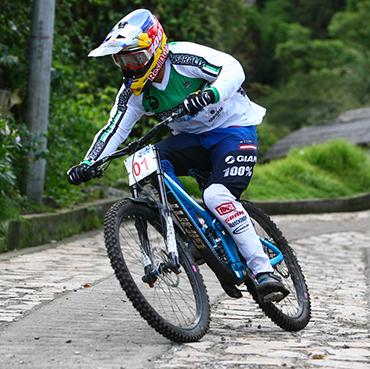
pixel 163 102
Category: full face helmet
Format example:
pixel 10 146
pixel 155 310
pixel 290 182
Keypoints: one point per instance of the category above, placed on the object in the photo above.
pixel 138 45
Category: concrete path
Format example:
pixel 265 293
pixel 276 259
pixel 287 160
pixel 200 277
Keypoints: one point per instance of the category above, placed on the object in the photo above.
pixel 60 307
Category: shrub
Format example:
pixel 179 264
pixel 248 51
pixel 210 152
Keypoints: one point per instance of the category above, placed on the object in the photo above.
pixel 13 148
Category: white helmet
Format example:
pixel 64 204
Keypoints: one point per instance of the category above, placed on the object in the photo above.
pixel 138 45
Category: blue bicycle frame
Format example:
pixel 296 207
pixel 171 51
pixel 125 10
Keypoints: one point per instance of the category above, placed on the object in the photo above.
pixel 210 221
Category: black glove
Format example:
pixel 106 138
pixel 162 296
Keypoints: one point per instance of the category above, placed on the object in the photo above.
pixel 198 100
pixel 78 174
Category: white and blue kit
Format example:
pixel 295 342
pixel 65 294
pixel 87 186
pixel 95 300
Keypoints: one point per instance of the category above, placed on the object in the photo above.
pixel 221 138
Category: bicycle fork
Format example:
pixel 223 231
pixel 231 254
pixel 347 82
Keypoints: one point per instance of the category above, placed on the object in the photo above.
pixel 141 227
pixel 172 264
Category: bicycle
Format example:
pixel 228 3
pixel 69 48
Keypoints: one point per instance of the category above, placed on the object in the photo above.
pixel 147 237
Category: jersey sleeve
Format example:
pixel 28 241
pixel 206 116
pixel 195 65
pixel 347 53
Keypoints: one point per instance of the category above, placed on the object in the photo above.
pixel 126 111
pixel 223 71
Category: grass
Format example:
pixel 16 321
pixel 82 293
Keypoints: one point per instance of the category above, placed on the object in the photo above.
pixel 333 169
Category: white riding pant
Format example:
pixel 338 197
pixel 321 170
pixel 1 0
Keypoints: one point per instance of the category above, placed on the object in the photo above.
pixel 236 220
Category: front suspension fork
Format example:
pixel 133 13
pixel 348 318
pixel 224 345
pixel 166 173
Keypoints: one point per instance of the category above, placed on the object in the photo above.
pixel 173 263
pixel 151 272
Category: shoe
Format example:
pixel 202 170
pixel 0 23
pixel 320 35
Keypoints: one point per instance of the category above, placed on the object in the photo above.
pixel 231 290
pixel 270 288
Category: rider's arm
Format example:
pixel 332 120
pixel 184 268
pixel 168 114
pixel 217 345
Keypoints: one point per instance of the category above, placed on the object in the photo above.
pixel 223 71
pixel 126 111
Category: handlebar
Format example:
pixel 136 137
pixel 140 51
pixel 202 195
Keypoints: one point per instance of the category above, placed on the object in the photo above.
pixel 96 170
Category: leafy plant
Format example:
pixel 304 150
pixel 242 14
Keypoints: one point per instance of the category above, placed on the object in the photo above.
pixel 12 152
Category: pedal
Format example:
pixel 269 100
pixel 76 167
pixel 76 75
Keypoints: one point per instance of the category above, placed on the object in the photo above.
pixel 273 297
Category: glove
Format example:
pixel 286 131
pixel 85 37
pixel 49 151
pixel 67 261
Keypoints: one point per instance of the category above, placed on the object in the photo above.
pixel 198 100
pixel 78 174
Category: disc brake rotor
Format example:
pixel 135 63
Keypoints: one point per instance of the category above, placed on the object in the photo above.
pixel 160 259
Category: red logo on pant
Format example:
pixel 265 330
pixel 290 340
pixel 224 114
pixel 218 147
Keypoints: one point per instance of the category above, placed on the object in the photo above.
pixel 225 208
pixel 247 147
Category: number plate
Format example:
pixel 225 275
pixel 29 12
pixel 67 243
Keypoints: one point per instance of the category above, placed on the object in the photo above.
pixel 141 164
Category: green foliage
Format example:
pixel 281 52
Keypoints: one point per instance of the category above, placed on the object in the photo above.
pixel 175 16
pixel 13 148
pixel 321 78
pixel 328 170
pixel 317 14
pixel 15 23
pixel 299 53
pixel 8 144
pixel 312 99
pixel 352 25
pixel 275 19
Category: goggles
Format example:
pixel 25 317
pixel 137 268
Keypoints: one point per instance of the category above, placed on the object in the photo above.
pixel 133 61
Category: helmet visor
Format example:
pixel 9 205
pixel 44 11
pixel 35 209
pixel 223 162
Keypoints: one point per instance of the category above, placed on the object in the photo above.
pixel 134 61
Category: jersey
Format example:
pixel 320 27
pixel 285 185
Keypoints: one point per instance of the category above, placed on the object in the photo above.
pixel 188 68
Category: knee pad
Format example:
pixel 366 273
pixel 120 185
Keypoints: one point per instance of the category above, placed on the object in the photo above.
pixel 217 194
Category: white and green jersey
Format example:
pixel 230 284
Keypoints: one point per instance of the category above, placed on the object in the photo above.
pixel 189 67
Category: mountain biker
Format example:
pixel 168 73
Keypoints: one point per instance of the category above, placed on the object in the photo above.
pixel 217 133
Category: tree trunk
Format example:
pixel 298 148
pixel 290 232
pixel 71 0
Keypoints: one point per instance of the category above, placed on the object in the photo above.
pixel 39 93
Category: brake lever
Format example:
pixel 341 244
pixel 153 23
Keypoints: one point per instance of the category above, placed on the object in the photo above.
pixel 98 173
pixel 95 173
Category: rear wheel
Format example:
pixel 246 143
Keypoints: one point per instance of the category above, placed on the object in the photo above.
pixel 294 312
pixel 175 305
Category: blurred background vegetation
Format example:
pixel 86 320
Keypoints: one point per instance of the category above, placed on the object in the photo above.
pixel 305 61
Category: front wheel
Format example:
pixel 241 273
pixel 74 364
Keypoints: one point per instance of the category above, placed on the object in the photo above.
pixel 175 304
pixel 294 312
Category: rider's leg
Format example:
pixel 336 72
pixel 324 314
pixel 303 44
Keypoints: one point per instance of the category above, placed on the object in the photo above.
pixel 234 217
pixel 233 161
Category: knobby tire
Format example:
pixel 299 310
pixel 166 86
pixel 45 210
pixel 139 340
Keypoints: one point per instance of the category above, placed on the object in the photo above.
pixel 294 312
pixel 177 306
